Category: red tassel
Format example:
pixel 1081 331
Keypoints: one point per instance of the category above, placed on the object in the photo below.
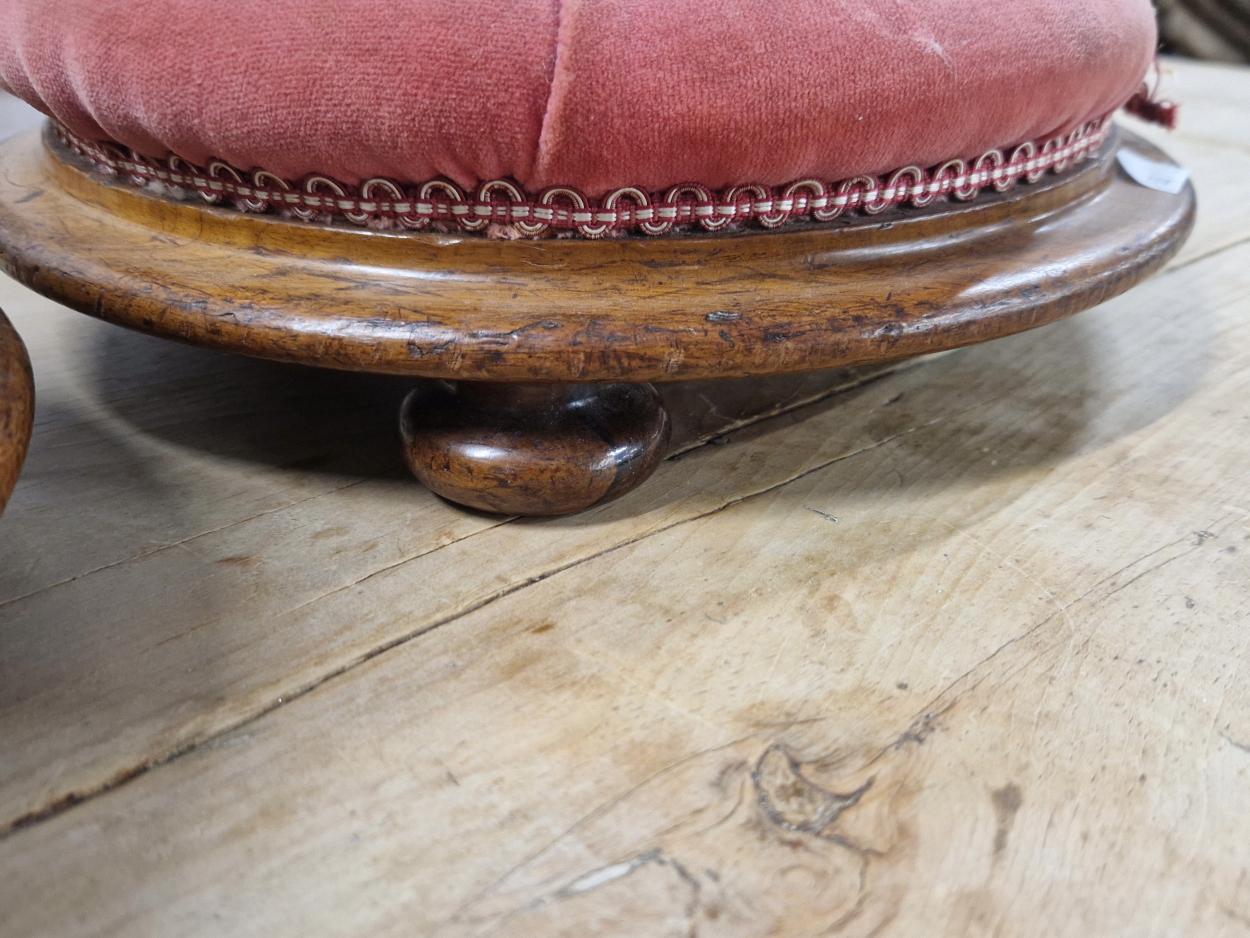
pixel 1157 112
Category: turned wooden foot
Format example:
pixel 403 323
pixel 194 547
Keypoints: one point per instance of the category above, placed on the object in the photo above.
pixel 533 449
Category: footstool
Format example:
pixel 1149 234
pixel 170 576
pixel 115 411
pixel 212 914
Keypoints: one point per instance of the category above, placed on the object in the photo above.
pixel 540 208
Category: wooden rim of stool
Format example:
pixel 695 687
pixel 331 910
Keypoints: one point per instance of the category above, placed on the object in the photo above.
pixel 637 309
pixel 17 407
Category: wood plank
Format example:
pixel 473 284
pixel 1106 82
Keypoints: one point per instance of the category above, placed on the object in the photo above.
pixel 1004 692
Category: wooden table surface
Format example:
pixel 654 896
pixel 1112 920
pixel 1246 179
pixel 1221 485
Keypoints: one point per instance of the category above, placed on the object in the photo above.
pixel 962 651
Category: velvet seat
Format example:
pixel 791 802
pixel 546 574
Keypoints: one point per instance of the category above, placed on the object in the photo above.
pixel 584 97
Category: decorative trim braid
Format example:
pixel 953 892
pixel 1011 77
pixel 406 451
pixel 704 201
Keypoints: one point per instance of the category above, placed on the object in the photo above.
pixel 502 209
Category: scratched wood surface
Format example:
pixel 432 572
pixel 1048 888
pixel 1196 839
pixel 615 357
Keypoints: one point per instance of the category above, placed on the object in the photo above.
pixel 962 651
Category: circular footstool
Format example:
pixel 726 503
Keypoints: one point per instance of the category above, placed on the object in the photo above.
pixel 541 207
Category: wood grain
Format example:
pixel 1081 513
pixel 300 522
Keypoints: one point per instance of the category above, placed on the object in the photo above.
pixel 636 309
pixel 17 407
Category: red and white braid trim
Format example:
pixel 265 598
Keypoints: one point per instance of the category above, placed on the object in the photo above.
pixel 504 209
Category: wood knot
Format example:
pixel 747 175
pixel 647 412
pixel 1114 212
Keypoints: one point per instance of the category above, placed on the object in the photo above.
pixel 793 802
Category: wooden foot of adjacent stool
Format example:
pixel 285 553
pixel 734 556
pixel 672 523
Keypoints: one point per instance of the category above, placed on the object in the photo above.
pixel 17 407
pixel 533 449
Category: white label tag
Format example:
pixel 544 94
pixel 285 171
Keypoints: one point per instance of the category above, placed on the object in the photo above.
pixel 1152 174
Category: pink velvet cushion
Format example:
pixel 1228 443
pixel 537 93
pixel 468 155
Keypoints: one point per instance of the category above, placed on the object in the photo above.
pixel 593 94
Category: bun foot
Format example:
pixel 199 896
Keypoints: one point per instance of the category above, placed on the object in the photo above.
pixel 533 449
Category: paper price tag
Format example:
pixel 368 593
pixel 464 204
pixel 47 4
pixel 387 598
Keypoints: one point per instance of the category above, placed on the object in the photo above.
pixel 1151 173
